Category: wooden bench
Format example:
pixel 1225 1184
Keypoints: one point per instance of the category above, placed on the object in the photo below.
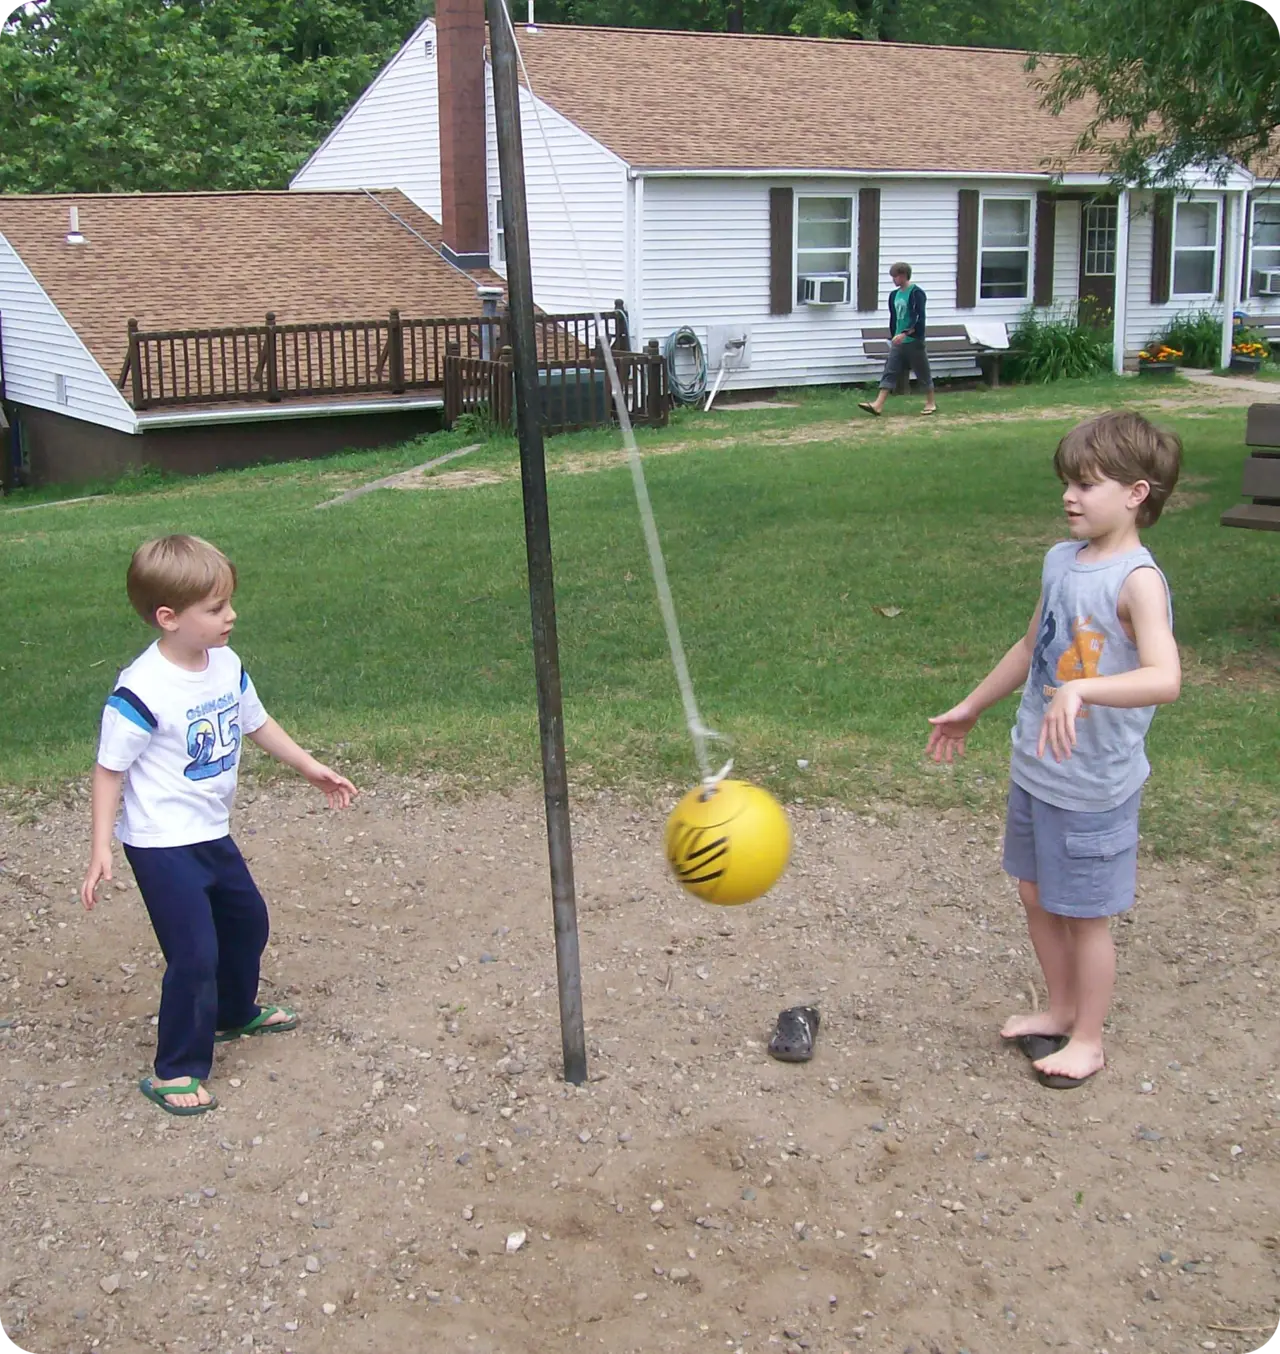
pixel 941 340
pixel 1268 325
pixel 1261 472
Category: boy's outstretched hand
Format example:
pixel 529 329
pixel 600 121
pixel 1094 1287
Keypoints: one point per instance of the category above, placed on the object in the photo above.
pixel 99 869
pixel 946 738
pixel 338 790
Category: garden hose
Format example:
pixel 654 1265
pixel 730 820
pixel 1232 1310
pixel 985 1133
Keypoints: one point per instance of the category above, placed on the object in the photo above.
pixel 684 391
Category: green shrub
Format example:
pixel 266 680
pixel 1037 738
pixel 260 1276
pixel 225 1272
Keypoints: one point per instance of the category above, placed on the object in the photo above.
pixel 480 423
pixel 1057 345
pixel 1198 336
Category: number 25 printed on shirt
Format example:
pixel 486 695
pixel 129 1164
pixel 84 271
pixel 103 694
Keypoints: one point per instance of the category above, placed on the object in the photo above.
pixel 213 750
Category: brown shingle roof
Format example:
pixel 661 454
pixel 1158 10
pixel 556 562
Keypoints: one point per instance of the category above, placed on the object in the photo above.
pixel 202 260
pixel 717 100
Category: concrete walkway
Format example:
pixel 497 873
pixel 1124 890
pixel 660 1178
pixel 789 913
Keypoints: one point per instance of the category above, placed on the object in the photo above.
pixel 1264 390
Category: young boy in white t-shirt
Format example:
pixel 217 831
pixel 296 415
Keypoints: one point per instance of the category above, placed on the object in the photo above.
pixel 171 736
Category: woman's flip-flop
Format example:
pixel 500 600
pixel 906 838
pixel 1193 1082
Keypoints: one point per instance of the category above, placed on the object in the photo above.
pixel 156 1094
pixel 794 1034
pixel 261 1024
pixel 869 408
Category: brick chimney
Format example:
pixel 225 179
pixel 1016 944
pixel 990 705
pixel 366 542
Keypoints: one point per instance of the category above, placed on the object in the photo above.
pixel 460 38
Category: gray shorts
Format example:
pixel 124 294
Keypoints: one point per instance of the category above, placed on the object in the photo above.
pixel 902 356
pixel 1084 864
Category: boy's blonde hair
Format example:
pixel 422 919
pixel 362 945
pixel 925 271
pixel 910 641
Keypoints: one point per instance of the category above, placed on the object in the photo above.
pixel 1124 447
pixel 177 572
pixel 896 268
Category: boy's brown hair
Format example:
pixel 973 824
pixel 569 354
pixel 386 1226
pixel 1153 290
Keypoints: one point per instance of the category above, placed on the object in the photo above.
pixel 1124 447
pixel 177 572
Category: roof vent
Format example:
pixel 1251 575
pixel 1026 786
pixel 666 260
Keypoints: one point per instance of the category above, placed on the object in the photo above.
pixel 73 235
pixel 530 25
pixel 429 49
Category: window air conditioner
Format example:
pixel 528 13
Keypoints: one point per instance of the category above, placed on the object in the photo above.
pixel 824 289
pixel 1270 284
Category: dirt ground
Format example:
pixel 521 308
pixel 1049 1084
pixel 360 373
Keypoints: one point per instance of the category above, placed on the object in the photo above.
pixel 911 1189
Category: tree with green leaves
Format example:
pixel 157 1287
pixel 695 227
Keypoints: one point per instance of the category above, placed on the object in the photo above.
pixel 1176 84
pixel 138 95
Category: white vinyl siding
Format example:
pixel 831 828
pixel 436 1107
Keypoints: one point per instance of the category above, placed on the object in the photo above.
pixel 390 137
pixel 706 263
pixel 1143 320
pixel 46 365
pixel 1066 252
pixel 1197 237
pixel 594 182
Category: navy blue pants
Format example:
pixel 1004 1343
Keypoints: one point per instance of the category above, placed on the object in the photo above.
pixel 212 926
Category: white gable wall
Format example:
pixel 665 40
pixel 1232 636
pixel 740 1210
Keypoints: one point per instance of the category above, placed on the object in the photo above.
pixel 390 137
pixel 705 250
pixel 39 346
pixel 594 181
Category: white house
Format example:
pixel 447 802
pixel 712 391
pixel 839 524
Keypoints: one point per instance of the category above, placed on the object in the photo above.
pixel 708 176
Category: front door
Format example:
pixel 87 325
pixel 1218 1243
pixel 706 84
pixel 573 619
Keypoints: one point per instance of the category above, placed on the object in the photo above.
pixel 1097 291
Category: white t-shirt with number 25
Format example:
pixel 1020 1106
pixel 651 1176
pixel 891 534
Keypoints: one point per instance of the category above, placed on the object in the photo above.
pixel 176 735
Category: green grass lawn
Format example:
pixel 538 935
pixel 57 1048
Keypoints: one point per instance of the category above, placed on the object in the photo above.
pixel 394 630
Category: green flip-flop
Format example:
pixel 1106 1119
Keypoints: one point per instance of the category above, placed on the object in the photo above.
pixel 261 1024
pixel 157 1094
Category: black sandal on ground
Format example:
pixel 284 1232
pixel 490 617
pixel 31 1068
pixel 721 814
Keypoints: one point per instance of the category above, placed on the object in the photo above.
pixel 1037 1046
pixel 794 1034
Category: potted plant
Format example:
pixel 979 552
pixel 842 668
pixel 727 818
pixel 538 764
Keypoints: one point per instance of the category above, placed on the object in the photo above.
pixel 1249 349
pixel 1159 362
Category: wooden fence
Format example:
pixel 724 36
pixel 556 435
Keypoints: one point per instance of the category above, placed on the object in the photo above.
pixel 248 363
pixel 574 391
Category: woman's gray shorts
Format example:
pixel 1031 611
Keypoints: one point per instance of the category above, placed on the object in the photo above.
pixel 910 354
pixel 1084 864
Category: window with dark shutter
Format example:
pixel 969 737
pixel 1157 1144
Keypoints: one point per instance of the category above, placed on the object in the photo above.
pixel 781 242
pixel 1046 214
pixel 1161 248
pixel 967 251
pixel 869 249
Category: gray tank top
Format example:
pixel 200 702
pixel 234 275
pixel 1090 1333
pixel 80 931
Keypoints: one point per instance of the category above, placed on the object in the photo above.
pixel 1081 636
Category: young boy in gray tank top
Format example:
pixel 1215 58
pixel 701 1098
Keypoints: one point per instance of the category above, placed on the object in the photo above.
pixel 1097 658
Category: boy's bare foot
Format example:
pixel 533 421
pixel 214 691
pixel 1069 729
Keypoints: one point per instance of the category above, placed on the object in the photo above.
pixel 1077 1061
pixel 184 1099
pixel 1037 1022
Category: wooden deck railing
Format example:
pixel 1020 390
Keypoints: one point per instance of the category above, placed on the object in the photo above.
pixel 272 362
pixel 574 392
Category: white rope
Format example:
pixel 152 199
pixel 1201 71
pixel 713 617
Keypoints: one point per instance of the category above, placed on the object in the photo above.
pixel 698 731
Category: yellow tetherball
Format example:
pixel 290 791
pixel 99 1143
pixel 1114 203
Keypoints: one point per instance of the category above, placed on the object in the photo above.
pixel 728 844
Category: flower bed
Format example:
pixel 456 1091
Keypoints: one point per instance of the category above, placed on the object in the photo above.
pixel 1159 362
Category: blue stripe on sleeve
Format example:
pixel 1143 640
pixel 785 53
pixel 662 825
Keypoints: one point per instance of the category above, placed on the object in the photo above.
pixel 132 708
pixel 244 679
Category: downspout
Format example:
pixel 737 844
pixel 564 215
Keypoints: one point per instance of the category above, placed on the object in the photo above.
pixel 1120 310
pixel 1233 205
pixel 8 433
pixel 636 317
